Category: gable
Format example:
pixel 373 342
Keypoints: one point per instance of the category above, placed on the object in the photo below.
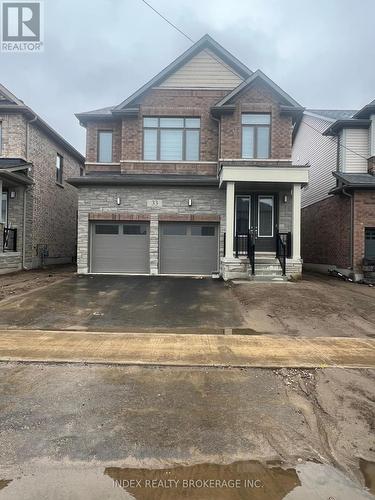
pixel 4 99
pixel 204 70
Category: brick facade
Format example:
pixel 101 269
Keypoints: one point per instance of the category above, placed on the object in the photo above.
pixel 364 216
pixel 51 208
pixel 326 228
pixel 54 205
pixel 258 98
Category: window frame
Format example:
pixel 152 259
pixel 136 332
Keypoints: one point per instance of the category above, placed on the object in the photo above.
pixel 106 131
pixel 254 127
pixel 59 171
pixel 183 129
pixel 4 214
pixel 272 197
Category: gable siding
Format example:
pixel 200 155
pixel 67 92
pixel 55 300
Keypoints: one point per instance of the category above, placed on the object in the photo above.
pixel 203 71
pixel 320 152
pixel 356 141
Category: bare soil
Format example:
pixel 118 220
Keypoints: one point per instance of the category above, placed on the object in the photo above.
pixel 14 284
pixel 316 306
pixel 293 425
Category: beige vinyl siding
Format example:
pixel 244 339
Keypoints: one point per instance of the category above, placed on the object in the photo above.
pixel 203 71
pixel 354 158
pixel 320 152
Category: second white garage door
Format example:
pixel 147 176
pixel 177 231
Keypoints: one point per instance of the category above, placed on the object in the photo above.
pixel 188 248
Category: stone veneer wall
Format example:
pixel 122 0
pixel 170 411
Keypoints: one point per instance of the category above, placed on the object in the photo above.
pixel 209 203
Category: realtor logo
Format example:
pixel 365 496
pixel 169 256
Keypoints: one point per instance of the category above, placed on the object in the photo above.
pixel 22 26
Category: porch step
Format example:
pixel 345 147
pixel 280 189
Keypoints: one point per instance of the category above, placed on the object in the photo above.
pixel 268 279
pixel 267 267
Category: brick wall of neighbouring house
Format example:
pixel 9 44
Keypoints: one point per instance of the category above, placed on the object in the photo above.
pixel 92 139
pixel 364 216
pixel 258 98
pixel 326 232
pixel 54 206
pixel 13 135
pixel 209 202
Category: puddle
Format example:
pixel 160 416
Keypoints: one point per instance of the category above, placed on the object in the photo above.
pixel 240 480
pixel 368 471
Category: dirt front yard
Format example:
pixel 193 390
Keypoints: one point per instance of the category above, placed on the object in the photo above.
pixel 14 284
pixel 316 306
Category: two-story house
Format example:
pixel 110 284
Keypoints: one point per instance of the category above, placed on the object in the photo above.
pixel 38 210
pixel 192 174
pixel 338 205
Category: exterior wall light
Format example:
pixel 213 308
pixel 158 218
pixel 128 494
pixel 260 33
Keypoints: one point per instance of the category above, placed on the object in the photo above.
pixel 118 201
pixel 190 202
pixel 285 198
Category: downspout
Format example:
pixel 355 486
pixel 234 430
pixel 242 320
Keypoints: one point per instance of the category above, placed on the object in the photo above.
pixel 218 121
pixel 26 189
pixel 350 196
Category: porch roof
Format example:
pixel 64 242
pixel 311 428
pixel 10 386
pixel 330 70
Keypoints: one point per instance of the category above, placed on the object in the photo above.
pixel 282 173
pixel 12 171
pixel 353 181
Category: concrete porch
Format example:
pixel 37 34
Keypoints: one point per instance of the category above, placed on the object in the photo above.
pixel 263 221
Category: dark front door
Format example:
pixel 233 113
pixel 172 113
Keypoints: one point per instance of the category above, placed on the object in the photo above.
pixel 257 212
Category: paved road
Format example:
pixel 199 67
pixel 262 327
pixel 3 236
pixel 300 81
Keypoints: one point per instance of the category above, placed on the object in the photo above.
pixel 186 350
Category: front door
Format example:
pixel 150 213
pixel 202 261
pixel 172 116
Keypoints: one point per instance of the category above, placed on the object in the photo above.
pixel 257 213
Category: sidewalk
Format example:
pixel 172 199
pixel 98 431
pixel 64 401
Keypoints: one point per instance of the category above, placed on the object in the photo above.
pixel 186 349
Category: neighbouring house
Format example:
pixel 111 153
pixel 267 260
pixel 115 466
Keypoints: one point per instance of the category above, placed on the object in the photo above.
pixel 338 205
pixel 192 175
pixel 38 210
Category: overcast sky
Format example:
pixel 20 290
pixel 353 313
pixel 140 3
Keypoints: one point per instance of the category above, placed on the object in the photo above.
pixel 97 52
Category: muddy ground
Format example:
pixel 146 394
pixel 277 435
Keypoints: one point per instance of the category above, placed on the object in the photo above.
pixel 14 284
pixel 303 433
pixel 316 306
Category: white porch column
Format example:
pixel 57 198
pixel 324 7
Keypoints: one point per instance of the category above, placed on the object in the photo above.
pixel 296 234
pixel 229 221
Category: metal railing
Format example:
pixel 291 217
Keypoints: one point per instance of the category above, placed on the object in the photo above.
pixel 244 244
pixel 10 240
pixel 283 249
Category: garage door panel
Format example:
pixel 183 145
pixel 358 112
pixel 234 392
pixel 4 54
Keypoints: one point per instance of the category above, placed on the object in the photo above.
pixel 187 248
pixel 124 252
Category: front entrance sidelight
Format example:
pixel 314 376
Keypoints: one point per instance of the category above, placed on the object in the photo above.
pixel 257 213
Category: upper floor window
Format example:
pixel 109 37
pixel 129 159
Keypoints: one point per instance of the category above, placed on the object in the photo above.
pixel 105 138
pixel 256 135
pixel 171 139
pixel 1 138
pixel 59 168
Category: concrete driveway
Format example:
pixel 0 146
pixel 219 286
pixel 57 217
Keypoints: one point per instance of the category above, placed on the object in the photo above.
pixel 125 303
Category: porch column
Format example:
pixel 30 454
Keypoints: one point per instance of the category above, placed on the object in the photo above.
pixel 1 199
pixel 296 234
pixel 229 221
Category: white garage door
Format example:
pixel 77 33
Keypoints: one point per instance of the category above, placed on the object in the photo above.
pixel 120 247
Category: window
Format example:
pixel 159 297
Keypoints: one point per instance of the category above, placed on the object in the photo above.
pixel 106 229
pixel 1 138
pixel 135 229
pixel 175 230
pixel 4 207
pixel 171 139
pixel 202 230
pixel 369 242
pixel 255 135
pixel 59 168
pixel 105 138
pixel 265 216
